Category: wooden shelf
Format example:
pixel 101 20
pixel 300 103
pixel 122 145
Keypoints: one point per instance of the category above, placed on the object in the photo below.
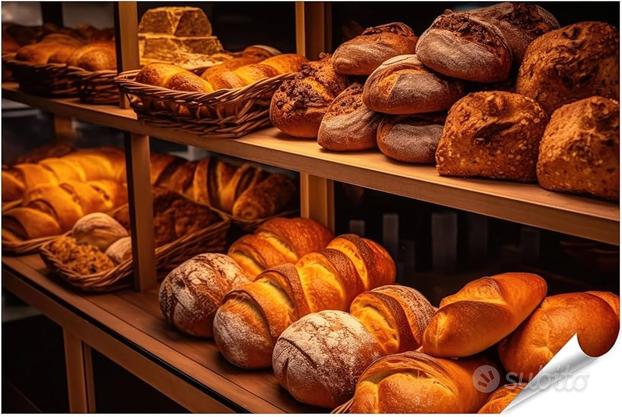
pixel 522 203
pixel 135 321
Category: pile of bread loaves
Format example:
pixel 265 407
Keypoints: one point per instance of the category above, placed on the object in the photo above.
pixel 482 93
pixel 281 298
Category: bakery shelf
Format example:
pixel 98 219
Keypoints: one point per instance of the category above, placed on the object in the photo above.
pixel 522 203
pixel 127 327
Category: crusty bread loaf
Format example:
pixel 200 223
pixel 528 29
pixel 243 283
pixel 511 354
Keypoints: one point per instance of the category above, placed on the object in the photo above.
pixel 501 398
pixel 98 229
pixel 319 358
pixel 395 315
pixel 580 149
pixel 410 139
pixel 482 313
pixel 348 124
pixel 577 61
pixel 96 56
pixel 252 317
pixel 588 315
pixel 277 241
pixel 191 293
pixel 269 196
pixel 413 382
pixel 120 250
pixel 402 85
pixel 466 47
pixel 363 54
pixel 493 134
pixel 49 50
pixel 178 21
pixel 173 77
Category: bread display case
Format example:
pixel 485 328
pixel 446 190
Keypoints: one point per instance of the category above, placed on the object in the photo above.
pixel 255 217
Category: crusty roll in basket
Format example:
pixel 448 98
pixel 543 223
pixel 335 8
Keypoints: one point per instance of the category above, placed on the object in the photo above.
pixel 42 79
pixel 209 239
pixel 227 113
pixel 95 87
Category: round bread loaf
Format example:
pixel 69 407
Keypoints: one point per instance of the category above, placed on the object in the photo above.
pixel 574 62
pixel 580 149
pixel 120 250
pixel 98 229
pixel 298 106
pixel 464 46
pixel 402 85
pixel 94 56
pixel 493 134
pixel 191 293
pixel 501 398
pixel 348 125
pixel 319 358
pixel 548 329
pixel 364 53
pixel 410 139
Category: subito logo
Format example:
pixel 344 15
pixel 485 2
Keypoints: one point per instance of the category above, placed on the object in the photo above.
pixel 486 379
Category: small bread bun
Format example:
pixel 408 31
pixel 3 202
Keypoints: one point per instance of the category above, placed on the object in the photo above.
pixel 410 139
pixel 98 229
pixel 120 250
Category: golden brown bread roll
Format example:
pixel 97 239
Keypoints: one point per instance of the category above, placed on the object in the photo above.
pixel 492 134
pixel 25 223
pixel 230 65
pixel 501 398
pixel 395 315
pixel 577 61
pixel 64 169
pixel 590 316
pixel 252 317
pixel 98 229
pixel 90 199
pixel 191 293
pixel 319 358
pixel 120 250
pixel 96 56
pixel 172 77
pixel 19 178
pixel 62 53
pixel 580 149
pixel 243 178
pixel 277 241
pixel 410 139
pixel 55 201
pixel 482 313
pixel 265 198
pixel 413 382
pixel 52 49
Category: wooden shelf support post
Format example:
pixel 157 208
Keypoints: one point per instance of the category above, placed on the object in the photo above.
pixel 317 199
pixel 79 368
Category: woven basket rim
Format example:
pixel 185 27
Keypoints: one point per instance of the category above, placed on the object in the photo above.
pixel 78 71
pixel 343 408
pixel 27 64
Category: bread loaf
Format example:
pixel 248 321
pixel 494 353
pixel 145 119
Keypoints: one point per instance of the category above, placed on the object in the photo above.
pixel 413 382
pixel 47 51
pixel 298 106
pixel 482 313
pixel 588 315
pixel 363 54
pixel 348 124
pixel 120 250
pixel 99 230
pixel 172 77
pixel 265 198
pixel 96 56
pixel 577 61
pixel 464 46
pixel 191 293
pixel 492 134
pixel 501 398
pixel 252 317
pixel 410 139
pixel 277 241
pixel 402 85
pixel 178 21
pixel 580 149
pixel 319 358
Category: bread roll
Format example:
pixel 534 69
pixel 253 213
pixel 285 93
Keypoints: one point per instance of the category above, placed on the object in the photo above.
pixel 580 149
pixel 410 139
pixel 96 56
pixel 402 85
pixel 501 398
pixel 267 197
pixel 395 315
pixel 55 201
pixel 99 230
pixel 120 250
pixel 319 358
pixel 482 313
pixel 21 177
pixel 25 223
pixel 549 328
pixel 172 77
pixel 577 61
pixel 413 382
pixel 493 134
pixel 191 293
pixel 363 54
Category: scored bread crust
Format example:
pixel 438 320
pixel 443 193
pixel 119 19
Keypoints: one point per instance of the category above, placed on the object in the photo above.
pixel 410 139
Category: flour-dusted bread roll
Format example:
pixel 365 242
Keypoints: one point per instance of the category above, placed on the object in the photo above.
pixel 413 382
pixel 411 139
pixel 319 358
pixel 593 317
pixel 482 313
pixel 580 149
pixel 348 124
pixel 99 230
pixel 120 250
pixel 492 134
pixel 364 53
pixel 403 85
pixel 467 47
pixel 501 398
pixel 577 61
pixel 191 293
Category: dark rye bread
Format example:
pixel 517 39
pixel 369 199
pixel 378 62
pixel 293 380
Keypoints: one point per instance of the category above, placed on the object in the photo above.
pixel 464 46
pixel 410 139
pixel 575 62
pixel 348 124
pixel 364 53
pixel 580 149
pixel 492 134
pixel 403 85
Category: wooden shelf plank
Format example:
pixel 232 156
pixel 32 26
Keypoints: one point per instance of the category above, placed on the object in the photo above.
pixel 522 203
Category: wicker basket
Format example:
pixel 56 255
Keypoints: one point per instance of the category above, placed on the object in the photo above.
pixel 223 113
pixel 95 87
pixel 343 408
pixel 42 79
pixel 210 239
pixel 25 247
